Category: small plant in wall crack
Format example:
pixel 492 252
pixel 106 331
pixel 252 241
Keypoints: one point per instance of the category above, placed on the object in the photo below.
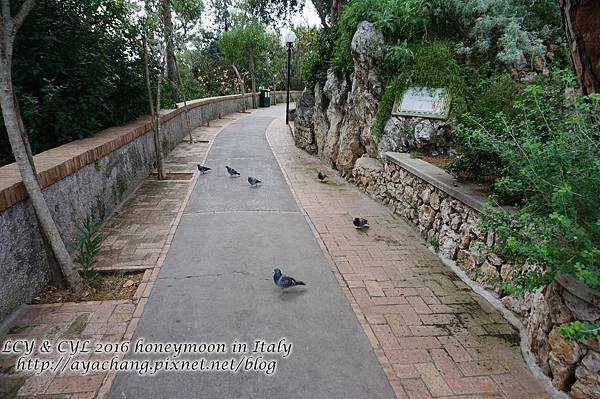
pixel 577 330
pixel 88 244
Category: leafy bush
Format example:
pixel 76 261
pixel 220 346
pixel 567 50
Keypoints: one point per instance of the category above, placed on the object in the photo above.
pixel 577 330
pixel 549 158
pixel 509 29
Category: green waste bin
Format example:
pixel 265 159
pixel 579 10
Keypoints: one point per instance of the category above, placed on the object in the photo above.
pixel 264 100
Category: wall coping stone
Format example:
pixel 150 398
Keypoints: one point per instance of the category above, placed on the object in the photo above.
pixel 579 289
pixel 464 192
pixel 57 163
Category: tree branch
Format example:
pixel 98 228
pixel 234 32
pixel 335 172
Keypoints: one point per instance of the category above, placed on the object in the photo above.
pixel 22 14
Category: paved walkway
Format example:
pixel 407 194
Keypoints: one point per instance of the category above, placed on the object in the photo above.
pixel 216 286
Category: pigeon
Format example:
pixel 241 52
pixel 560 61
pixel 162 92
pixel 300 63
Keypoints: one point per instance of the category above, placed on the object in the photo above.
pixel 203 169
pixel 283 281
pixel 253 181
pixel 321 177
pixel 232 172
pixel 360 223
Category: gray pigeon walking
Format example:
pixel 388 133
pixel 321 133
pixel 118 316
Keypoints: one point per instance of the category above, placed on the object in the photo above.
pixel 283 281
pixel 232 172
pixel 203 169
pixel 360 223
pixel 253 181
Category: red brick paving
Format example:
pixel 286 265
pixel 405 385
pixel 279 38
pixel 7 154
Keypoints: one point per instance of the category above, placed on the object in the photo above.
pixel 433 336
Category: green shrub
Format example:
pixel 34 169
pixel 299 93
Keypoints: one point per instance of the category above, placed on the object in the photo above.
pixel 88 244
pixel 508 29
pixel 549 158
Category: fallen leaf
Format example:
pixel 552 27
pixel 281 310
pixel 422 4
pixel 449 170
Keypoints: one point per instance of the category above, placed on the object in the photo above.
pixel 128 283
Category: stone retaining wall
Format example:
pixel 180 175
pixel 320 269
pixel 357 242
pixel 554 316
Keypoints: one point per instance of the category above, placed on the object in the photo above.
pixel 447 213
pixel 92 176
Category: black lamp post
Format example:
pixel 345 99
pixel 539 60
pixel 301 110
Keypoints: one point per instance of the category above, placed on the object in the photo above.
pixel 290 38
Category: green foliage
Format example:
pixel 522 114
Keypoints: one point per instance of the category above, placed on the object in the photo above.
pixel 244 42
pixel 75 71
pixel 319 46
pixel 548 157
pixel 576 330
pixel 399 20
pixel 88 245
pixel 97 165
pixel 509 29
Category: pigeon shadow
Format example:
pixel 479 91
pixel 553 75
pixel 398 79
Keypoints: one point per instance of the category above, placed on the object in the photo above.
pixel 292 294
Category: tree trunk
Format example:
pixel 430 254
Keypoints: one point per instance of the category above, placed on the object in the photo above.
pixel 319 6
pixel 56 276
pixel 582 24
pixel 242 87
pixel 337 6
pixel 184 94
pixel 252 71
pixel 31 183
pixel 162 175
pixel 168 30
pixel 154 115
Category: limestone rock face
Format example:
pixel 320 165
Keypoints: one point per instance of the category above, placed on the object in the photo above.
pixel 320 122
pixel 335 91
pixel 403 134
pixel 538 328
pixel 363 98
pixel 336 123
pixel 588 377
pixel 304 136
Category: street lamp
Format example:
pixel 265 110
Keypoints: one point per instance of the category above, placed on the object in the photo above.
pixel 290 38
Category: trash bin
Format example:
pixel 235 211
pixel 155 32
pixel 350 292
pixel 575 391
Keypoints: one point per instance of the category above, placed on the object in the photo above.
pixel 264 100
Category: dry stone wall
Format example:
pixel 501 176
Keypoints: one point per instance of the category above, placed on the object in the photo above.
pixel 447 217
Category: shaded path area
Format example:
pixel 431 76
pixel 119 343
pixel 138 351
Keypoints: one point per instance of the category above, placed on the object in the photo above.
pixel 216 286
pixel 433 336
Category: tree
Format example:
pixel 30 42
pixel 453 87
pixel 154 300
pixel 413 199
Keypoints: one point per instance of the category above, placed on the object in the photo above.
pixel 244 46
pixel 272 12
pixel 583 34
pixel 8 31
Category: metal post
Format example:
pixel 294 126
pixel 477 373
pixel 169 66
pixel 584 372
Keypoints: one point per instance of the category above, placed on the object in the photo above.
pixel 287 105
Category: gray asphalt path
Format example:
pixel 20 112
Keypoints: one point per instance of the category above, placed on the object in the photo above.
pixel 216 286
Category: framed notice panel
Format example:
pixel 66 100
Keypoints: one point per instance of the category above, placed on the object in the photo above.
pixel 424 102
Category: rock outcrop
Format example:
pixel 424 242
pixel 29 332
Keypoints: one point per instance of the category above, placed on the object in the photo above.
pixel 303 123
pixel 343 109
pixel 403 134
